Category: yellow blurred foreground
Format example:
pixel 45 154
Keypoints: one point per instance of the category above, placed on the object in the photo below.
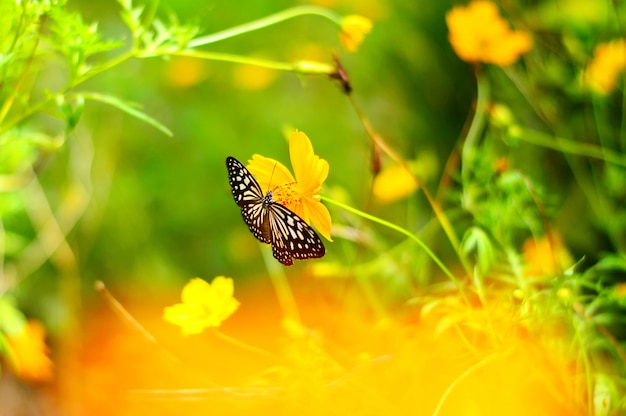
pixel 448 359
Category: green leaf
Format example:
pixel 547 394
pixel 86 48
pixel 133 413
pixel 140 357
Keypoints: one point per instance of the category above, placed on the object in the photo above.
pixel 128 108
pixel 72 110
pixel 475 239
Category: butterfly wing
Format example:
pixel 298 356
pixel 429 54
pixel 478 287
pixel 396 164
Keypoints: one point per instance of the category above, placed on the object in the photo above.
pixel 256 216
pixel 249 196
pixel 291 236
pixel 245 188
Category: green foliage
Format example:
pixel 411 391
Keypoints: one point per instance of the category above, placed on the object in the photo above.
pixel 77 42
pixel 541 155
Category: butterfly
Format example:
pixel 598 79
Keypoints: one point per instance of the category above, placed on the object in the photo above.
pixel 270 222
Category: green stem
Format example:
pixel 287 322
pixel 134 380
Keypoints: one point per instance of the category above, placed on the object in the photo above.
pixel 101 68
pixel 567 146
pixel 579 321
pixel 300 67
pixel 478 123
pixel 622 135
pixel 8 103
pixel 263 23
pixel 401 231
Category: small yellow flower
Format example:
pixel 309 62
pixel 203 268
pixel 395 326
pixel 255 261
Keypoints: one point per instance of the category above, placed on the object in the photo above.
pixel 353 31
pixel 183 71
pixel 393 183
pixel 564 293
pixel 203 305
pixel 609 60
pixel 479 34
pixel 29 353
pixel 299 194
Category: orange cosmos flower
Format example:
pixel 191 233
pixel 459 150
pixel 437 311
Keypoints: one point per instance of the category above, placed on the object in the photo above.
pixel 29 353
pixel 353 31
pixel 203 305
pixel 546 257
pixel 299 194
pixel 609 60
pixel 479 34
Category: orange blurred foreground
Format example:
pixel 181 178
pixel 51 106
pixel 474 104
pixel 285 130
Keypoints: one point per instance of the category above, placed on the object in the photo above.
pixel 474 361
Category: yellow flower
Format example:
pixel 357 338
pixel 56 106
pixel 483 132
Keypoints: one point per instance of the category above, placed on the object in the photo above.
pixel 546 257
pixel 479 34
pixel 299 194
pixel 204 305
pixel 609 60
pixel 393 183
pixel 353 31
pixel 29 353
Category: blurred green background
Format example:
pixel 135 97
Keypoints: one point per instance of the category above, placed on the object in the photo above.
pixel 160 209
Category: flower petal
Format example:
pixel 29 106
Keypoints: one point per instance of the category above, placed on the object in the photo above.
pixel 223 287
pixel 309 169
pixel 204 305
pixel 478 33
pixel 195 292
pixel 320 218
pixel 185 316
pixel 353 31
pixel 269 172
pixel 223 304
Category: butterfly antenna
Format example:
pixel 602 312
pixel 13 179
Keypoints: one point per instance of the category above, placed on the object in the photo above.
pixel 271 176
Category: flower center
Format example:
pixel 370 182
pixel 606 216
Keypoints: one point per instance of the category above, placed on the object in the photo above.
pixel 287 194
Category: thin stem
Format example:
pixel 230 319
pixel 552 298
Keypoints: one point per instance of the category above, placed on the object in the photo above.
pixel 263 23
pixel 4 110
pixel 404 232
pixel 225 57
pixel 101 68
pixel 220 392
pixel 526 92
pixel 300 67
pixel 574 148
pixel 129 319
pixel 441 217
pixel 622 134
pixel 478 124
pixel 584 356
pixel 460 378
pixel 245 346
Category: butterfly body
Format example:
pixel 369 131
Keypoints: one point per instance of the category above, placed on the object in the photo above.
pixel 270 222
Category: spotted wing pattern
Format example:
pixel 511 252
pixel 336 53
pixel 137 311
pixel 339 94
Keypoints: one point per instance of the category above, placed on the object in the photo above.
pixel 270 222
